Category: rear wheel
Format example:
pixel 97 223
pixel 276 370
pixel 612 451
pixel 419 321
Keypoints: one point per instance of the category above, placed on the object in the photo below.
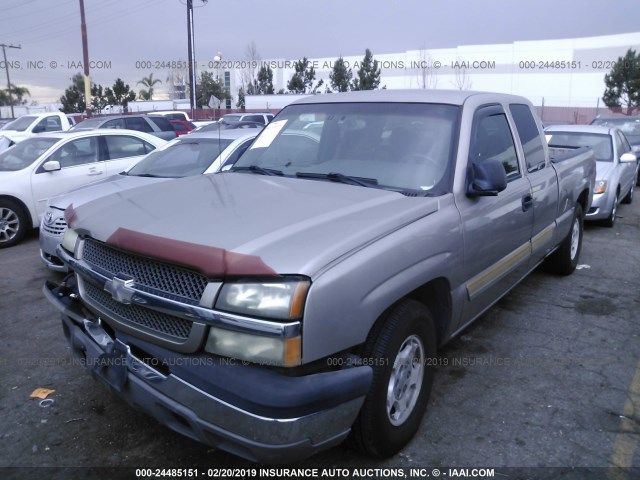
pixel 400 353
pixel 13 223
pixel 565 259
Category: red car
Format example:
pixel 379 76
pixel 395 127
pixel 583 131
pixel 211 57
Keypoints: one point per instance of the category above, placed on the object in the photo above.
pixel 182 126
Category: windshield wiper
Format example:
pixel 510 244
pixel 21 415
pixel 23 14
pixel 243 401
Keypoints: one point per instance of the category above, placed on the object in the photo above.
pixel 257 169
pixel 147 175
pixel 340 177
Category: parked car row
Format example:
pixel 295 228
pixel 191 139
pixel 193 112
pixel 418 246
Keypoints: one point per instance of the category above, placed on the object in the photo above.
pixel 616 165
pixel 194 154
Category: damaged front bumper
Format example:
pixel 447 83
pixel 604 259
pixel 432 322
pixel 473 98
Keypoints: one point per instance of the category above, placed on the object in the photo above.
pixel 253 412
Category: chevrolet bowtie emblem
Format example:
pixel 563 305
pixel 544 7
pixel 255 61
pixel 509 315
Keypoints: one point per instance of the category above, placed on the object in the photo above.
pixel 120 288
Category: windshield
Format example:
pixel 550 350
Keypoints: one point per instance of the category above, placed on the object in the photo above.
pixel 600 142
pixel 629 126
pixel 406 147
pixel 24 153
pixel 20 124
pixel 184 158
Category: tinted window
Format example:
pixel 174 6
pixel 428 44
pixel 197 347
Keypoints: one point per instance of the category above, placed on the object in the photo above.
pixel 139 124
pixel 493 141
pixel 120 146
pixel 49 124
pixel 623 144
pixel 162 123
pixel 115 123
pixel 529 136
pixel 20 124
pixel 77 152
pixel 253 118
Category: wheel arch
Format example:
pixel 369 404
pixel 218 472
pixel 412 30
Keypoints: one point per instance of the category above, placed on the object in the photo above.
pixel 436 296
pixel 22 205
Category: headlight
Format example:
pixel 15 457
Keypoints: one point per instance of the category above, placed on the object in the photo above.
pixel 69 240
pixel 255 348
pixel 601 186
pixel 283 300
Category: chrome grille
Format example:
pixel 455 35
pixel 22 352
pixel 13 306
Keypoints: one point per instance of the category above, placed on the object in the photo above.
pixel 144 317
pixel 56 228
pixel 152 274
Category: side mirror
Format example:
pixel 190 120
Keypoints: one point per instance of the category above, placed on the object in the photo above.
pixel 51 166
pixel 38 129
pixel 628 158
pixel 486 178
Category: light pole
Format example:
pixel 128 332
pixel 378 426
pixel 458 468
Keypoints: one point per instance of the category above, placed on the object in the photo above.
pixel 192 59
pixel 6 67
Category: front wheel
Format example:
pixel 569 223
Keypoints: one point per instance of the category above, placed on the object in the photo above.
pixel 565 259
pixel 13 223
pixel 401 352
pixel 611 219
pixel 629 197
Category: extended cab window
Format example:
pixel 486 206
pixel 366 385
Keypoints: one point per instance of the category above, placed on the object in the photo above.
pixel 493 141
pixel 529 136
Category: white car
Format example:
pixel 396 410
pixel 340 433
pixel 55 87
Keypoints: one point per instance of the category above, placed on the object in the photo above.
pixel 193 154
pixel 49 164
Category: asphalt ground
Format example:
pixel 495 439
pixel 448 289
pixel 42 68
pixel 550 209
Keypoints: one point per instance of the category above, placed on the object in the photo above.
pixel 546 384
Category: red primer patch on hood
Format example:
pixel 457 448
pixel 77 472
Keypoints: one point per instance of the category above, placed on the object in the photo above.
pixel 70 215
pixel 211 261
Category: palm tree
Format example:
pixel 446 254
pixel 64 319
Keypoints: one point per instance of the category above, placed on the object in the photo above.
pixel 148 82
pixel 17 95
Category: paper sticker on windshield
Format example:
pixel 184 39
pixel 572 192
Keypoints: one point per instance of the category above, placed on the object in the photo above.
pixel 270 132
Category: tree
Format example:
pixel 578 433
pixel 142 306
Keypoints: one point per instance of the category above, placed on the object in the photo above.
pixel 623 83
pixel 98 99
pixel 240 102
pixel 303 78
pixel 249 74
pixel 13 94
pixel 208 86
pixel 148 82
pixel 120 94
pixel 368 73
pixel 340 76
pixel 461 80
pixel 263 85
pixel 73 100
pixel 427 74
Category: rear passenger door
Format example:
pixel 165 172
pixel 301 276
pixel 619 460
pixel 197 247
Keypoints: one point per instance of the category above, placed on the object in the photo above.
pixel 122 151
pixel 497 229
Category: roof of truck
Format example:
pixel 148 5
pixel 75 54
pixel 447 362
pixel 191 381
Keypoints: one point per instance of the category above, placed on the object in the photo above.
pixel 452 97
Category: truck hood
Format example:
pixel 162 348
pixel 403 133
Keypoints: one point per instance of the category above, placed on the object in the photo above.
pixel 107 186
pixel 245 224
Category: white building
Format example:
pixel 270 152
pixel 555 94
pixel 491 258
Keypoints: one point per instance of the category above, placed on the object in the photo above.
pixel 554 73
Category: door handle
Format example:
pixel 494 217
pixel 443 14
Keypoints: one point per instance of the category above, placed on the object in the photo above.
pixel 93 173
pixel 527 202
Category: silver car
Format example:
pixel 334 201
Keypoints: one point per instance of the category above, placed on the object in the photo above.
pixel 616 165
pixel 192 154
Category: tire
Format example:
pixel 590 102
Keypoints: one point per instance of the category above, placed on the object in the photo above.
pixel 565 259
pixel 629 197
pixel 13 223
pixel 610 221
pixel 399 392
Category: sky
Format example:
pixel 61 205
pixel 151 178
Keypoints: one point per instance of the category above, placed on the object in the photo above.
pixel 131 39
